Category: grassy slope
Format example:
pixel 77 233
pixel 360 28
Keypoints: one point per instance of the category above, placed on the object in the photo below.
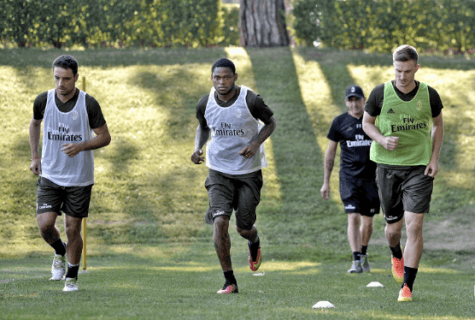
pixel 149 195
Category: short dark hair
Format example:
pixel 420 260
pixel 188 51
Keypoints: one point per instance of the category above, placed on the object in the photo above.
pixel 66 62
pixel 405 53
pixel 223 63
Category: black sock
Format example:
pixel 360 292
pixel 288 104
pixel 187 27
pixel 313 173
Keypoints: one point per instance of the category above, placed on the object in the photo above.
pixel 356 255
pixel 363 250
pixel 409 277
pixel 72 271
pixel 59 247
pixel 256 239
pixel 254 246
pixel 229 276
pixel 396 251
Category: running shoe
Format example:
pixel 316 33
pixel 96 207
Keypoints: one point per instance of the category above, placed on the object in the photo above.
pixel 405 294
pixel 255 263
pixel 228 288
pixel 397 269
pixel 364 262
pixel 71 284
pixel 356 267
pixel 58 269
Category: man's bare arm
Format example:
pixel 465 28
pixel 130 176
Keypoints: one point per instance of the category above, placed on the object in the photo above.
pixel 250 150
pixel 369 127
pixel 437 137
pixel 101 139
pixel 328 168
pixel 35 132
pixel 202 136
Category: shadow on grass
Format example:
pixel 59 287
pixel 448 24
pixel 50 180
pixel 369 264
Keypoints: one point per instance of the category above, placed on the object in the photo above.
pixel 297 155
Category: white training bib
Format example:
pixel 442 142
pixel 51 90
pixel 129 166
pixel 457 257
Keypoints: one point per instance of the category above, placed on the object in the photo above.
pixel 60 128
pixel 232 129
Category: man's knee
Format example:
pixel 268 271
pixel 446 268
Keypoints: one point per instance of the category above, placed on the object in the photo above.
pixel 73 226
pixel 367 222
pixel 46 221
pixel 354 218
pixel 242 231
pixel 414 228
pixel 221 222
pixel 393 229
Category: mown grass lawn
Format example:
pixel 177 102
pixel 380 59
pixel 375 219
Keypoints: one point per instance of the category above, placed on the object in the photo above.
pixel 149 251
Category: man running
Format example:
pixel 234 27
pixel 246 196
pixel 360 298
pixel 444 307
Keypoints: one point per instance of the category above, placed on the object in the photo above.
pixel 404 118
pixel 358 190
pixel 235 156
pixel 66 166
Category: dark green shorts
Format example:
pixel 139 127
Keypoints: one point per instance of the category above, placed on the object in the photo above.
pixel 239 192
pixel 73 201
pixel 403 189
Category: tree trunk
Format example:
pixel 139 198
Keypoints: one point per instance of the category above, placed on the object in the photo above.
pixel 262 23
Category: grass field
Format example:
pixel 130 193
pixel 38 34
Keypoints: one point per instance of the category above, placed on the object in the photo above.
pixel 150 255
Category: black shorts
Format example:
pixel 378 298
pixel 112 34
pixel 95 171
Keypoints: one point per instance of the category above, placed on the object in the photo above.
pixel 73 201
pixel 239 192
pixel 359 196
pixel 403 189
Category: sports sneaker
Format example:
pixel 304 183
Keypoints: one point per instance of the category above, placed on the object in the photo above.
pixel 58 269
pixel 254 264
pixel 356 267
pixel 397 269
pixel 227 288
pixel 364 262
pixel 405 294
pixel 71 284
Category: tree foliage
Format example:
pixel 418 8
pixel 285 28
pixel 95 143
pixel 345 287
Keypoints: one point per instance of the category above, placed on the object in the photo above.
pixel 161 23
pixel 381 25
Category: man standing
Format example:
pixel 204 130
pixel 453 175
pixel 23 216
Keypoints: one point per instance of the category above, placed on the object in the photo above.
pixel 358 190
pixel 404 118
pixel 235 156
pixel 66 167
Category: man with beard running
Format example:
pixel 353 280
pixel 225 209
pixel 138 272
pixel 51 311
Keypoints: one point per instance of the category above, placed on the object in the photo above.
pixel 235 155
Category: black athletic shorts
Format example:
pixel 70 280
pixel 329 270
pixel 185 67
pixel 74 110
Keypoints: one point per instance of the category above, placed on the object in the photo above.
pixel 403 189
pixel 73 201
pixel 239 192
pixel 360 196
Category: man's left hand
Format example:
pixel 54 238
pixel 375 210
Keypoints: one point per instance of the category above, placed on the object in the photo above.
pixel 432 169
pixel 71 149
pixel 249 151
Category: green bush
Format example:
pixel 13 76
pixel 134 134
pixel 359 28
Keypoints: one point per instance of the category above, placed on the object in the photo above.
pixel 381 25
pixel 112 23
pixel 231 25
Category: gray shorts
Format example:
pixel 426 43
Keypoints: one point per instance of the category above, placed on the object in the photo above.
pixel 403 189
pixel 239 192
pixel 360 196
pixel 73 201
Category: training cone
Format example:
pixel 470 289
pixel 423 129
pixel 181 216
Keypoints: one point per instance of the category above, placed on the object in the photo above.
pixel 374 284
pixel 323 304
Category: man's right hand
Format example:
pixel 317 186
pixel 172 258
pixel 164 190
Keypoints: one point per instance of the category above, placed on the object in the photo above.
pixel 325 191
pixel 196 157
pixel 390 143
pixel 35 166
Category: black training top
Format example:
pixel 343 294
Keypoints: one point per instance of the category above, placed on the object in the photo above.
pixel 355 145
pixel 255 103
pixel 94 112
pixel 375 101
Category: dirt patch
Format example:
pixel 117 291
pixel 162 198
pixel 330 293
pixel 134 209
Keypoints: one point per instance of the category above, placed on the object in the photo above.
pixel 456 232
